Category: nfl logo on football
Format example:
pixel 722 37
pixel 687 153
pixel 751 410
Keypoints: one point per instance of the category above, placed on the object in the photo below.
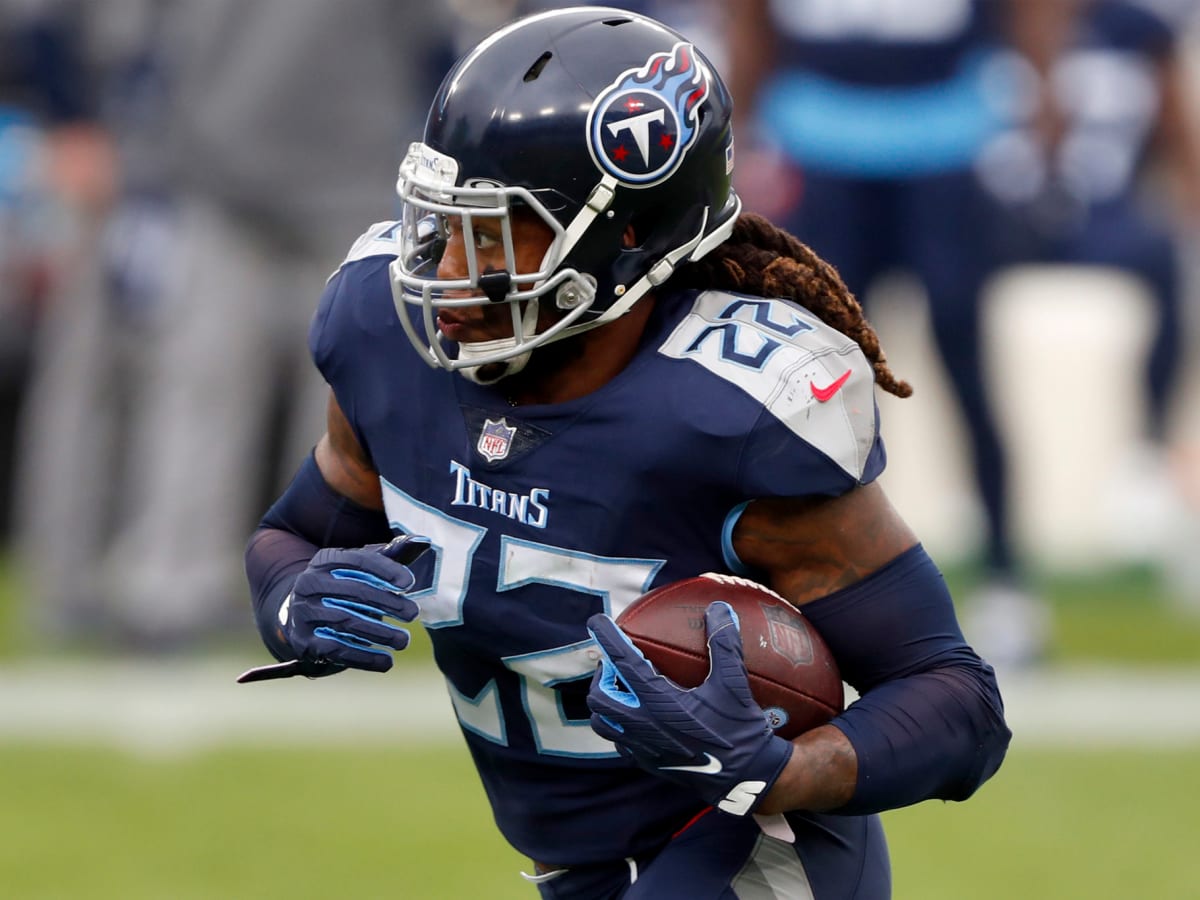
pixel 495 439
pixel 786 639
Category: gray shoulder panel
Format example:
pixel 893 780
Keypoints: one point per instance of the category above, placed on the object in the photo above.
pixel 812 378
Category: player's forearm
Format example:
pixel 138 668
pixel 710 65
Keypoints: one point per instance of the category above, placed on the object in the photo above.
pixel 307 516
pixel 929 722
pixel 937 734
pixel 274 557
pixel 821 774
pixel 932 736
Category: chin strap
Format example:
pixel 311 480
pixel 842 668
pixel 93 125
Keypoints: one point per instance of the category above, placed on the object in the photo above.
pixel 483 349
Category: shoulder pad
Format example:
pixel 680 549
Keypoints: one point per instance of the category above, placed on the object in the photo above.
pixel 809 376
pixel 378 240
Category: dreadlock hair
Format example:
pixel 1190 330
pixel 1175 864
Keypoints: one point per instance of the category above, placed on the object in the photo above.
pixel 761 259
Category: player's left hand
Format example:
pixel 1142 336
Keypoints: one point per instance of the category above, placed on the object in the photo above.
pixel 337 614
pixel 713 738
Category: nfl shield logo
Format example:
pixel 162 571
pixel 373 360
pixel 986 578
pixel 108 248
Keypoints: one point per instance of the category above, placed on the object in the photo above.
pixel 495 439
pixel 786 639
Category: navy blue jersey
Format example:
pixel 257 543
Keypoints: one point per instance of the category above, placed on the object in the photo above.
pixel 544 515
pixel 883 43
pixel 880 88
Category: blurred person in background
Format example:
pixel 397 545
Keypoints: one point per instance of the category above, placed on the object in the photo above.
pixel 56 179
pixel 1100 166
pixel 94 330
pixel 280 118
pixel 863 121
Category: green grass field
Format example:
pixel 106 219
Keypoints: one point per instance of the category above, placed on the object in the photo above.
pixel 397 823
pixel 246 822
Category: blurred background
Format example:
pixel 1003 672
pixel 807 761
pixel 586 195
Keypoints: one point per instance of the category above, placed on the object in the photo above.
pixel 1012 188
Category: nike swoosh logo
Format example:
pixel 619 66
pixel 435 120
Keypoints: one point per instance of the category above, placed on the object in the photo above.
pixel 284 609
pixel 712 767
pixel 825 394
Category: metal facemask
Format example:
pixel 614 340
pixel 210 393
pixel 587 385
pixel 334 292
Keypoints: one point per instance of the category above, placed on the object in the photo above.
pixel 432 205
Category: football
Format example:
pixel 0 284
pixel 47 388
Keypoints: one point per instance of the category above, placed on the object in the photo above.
pixel 793 675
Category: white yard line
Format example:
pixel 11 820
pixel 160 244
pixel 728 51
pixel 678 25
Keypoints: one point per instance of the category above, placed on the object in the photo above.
pixel 175 707
pixel 1105 707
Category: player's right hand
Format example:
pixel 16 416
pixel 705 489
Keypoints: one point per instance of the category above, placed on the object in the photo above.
pixel 713 739
pixel 337 615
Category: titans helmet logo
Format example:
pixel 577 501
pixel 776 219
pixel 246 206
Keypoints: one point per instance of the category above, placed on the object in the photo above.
pixel 642 124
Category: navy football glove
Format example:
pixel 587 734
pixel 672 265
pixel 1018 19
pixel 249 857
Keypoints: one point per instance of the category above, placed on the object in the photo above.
pixel 713 738
pixel 337 614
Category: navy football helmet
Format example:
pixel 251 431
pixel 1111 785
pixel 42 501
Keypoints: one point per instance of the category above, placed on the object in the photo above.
pixel 597 121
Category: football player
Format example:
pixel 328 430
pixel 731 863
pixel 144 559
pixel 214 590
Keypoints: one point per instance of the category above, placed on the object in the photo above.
pixel 577 372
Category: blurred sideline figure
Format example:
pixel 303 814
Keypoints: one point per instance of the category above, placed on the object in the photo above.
pixel 90 338
pixel 1101 166
pixel 864 120
pixel 56 167
pixel 282 119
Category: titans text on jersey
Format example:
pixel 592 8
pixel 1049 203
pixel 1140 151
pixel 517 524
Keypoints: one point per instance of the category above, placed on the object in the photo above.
pixel 529 509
